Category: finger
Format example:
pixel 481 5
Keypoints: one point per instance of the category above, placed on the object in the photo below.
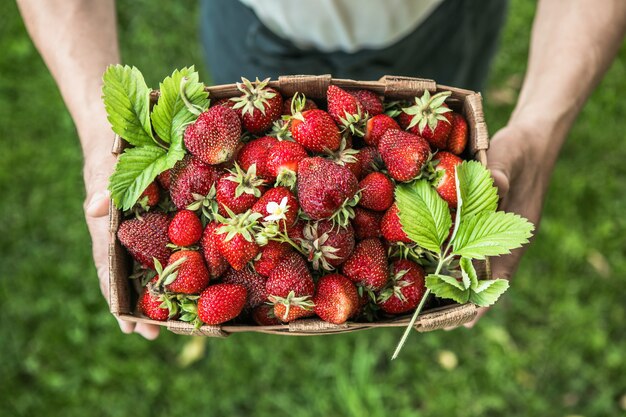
pixel 97 205
pixel 126 326
pixel 148 331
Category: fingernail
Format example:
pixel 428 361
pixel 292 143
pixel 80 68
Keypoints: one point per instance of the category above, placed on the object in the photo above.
pixel 96 202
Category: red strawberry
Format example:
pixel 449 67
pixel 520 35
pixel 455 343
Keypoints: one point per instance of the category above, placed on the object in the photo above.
pixel 236 241
pixel 429 118
pixel 367 266
pixel 263 315
pixel 327 244
pixel 369 100
pixel 214 136
pixel 191 176
pixel 259 105
pixel 227 102
pixel 220 303
pixel 293 308
pixel 185 228
pixel 270 256
pixel 376 128
pixel 282 162
pixel 458 135
pixel 283 204
pixel 164 178
pixel 391 228
pixel 324 188
pixel 306 104
pixel 192 275
pixel 253 282
pixel 336 299
pixel 342 105
pixel 146 238
pixel 255 152
pixel 376 192
pixel 216 263
pixel 316 131
pixel 150 196
pixel 369 159
pixel 151 303
pixel 296 232
pixel 406 290
pixel 366 223
pixel 238 190
pixel 445 179
pixel 404 154
pixel 348 157
pixel 291 275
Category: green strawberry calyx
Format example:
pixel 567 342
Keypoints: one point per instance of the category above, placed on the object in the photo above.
pixel 428 110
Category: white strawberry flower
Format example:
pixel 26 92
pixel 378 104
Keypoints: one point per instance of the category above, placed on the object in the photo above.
pixel 277 211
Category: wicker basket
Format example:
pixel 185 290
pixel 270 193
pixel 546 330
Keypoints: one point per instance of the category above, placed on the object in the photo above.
pixel 469 103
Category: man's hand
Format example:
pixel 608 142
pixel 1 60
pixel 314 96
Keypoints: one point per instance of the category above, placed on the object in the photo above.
pixel 96 207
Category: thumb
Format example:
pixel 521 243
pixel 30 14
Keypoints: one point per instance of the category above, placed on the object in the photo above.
pixel 98 204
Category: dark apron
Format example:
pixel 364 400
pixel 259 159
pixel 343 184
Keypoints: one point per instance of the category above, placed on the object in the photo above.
pixel 453 46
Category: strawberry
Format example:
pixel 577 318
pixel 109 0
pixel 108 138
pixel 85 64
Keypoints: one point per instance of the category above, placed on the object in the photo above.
pixel 304 105
pixel 255 152
pixel 253 282
pixel 458 135
pixel 214 136
pixel 336 299
pixel 376 192
pixel 220 303
pixel 445 176
pixel 429 118
pixel 296 232
pixel 238 190
pixel 391 228
pixel 259 105
pixel 150 196
pixel 192 276
pixel 369 159
pixel 369 100
pixel 292 308
pixel 290 275
pixel 404 154
pixel 270 256
pixel 315 130
pixel 347 156
pixel 278 205
pixel 185 228
pixel 216 263
pixel 367 266
pixel 341 103
pixel 165 178
pixel 151 303
pixel 191 176
pixel 406 289
pixel 325 189
pixel 366 223
pixel 146 238
pixel 327 244
pixel 263 315
pixel 227 102
pixel 282 162
pixel 376 127
pixel 235 240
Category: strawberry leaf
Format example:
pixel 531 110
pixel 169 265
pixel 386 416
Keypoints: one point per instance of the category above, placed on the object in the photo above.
pixel 170 115
pixel 444 286
pixel 491 234
pixel 475 188
pixel 488 291
pixel 470 278
pixel 127 102
pixel 424 215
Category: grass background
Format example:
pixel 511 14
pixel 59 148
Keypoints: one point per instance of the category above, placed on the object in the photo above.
pixel 554 347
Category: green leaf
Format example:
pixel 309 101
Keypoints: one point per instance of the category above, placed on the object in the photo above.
pixel 170 116
pixel 442 287
pixel 469 273
pixel 491 234
pixel 424 215
pixel 475 189
pixel 488 292
pixel 127 102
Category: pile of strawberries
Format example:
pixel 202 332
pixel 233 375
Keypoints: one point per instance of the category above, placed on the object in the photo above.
pixel 281 210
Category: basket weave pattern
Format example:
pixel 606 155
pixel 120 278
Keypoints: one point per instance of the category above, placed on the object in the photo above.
pixel 469 103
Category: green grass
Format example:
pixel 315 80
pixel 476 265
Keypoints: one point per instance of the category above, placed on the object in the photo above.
pixel 554 346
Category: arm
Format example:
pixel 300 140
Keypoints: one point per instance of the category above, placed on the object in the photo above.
pixel 78 40
pixel 571 48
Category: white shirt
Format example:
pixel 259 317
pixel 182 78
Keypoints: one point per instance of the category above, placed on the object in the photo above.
pixel 342 25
